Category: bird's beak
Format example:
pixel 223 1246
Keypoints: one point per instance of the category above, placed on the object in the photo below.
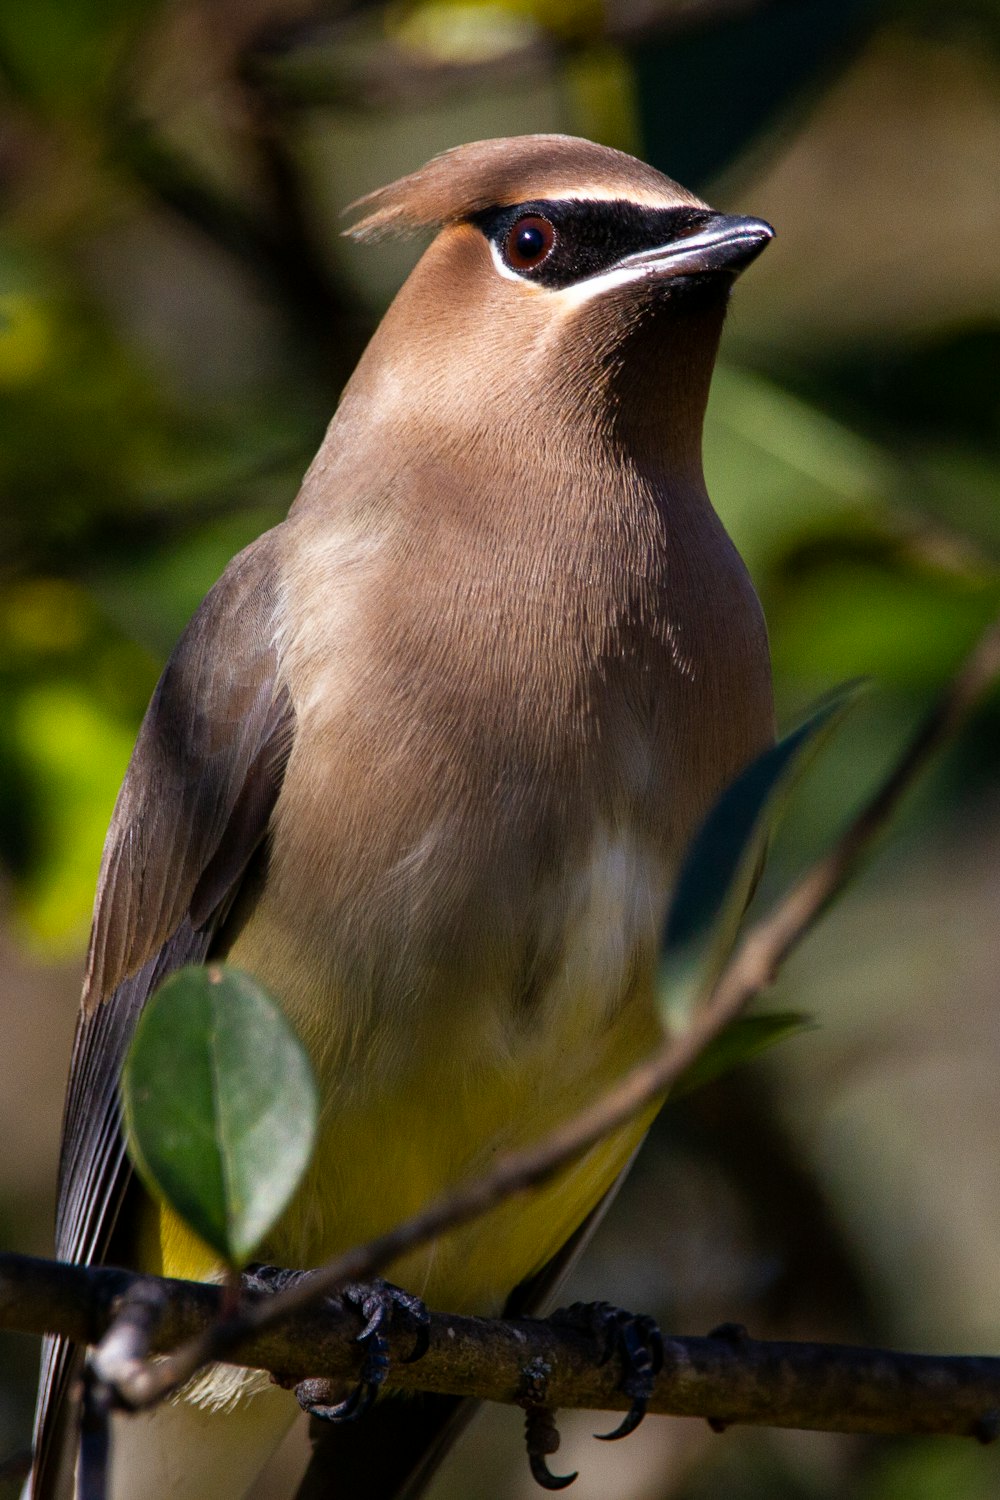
pixel 724 242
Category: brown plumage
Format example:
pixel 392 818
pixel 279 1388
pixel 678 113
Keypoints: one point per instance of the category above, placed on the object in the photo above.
pixel 427 758
pixel 493 174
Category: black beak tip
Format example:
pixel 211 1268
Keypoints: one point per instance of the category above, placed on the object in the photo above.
pixel 749 237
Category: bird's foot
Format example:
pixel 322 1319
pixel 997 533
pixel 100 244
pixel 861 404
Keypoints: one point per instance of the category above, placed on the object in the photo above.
pixel 380 1304
pixel 541 1435
pixel 635 1339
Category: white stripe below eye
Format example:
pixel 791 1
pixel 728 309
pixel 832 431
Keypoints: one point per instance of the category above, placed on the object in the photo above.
pixel 578 291
pixel 636 267
pixel 673 258
pixel 505 270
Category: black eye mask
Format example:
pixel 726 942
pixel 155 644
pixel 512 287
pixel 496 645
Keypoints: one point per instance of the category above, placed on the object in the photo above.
pixel 589 236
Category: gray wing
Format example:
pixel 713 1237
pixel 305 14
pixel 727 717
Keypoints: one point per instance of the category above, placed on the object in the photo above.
pixel 193 809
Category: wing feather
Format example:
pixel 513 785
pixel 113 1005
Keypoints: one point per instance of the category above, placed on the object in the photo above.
pixel 193 809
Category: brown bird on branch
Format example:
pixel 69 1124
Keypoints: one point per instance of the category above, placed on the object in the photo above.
pixel 425 762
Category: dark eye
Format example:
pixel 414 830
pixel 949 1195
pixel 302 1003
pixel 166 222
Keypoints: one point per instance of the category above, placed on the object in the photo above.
pixel 529 241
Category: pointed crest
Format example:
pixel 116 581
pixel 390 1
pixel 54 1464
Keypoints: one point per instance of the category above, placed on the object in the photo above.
pixel 487 174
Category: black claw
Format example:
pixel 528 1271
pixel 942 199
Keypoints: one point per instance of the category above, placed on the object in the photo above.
pixel 421 1320
pixel 638 1343
pixel 378 1302
pixel 541 1435
pixel 627 1425
pixel 542 1474
pixel 421 1343
pixel 375 1327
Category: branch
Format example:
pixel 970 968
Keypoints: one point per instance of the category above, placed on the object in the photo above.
pixel 751 969
pixel 726 1378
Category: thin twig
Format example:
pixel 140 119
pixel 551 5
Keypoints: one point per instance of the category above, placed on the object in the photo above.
pixel 751 969
pixel 726 1377
pixel 95 1436
pixel 122 1353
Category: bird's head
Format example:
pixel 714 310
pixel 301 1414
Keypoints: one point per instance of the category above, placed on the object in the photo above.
pixel 567 282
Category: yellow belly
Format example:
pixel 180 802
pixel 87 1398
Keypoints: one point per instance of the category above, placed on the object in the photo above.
pixel 421 1094
pixel 380 1162
pixel 382 1155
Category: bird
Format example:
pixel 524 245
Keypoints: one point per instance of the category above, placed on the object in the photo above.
pixel 425 763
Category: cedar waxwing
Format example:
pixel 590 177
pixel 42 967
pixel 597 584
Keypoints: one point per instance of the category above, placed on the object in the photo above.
pixel 425 761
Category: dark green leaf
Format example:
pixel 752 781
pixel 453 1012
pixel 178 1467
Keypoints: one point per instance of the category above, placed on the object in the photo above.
pixel 718 872
pixel 737 1043
pixel 220 1106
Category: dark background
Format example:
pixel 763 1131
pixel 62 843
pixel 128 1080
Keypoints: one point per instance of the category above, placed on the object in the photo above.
pixel 177 315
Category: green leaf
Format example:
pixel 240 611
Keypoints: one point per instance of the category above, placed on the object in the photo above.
pixel 737 1043
pixel 719 870
pixel 220 1106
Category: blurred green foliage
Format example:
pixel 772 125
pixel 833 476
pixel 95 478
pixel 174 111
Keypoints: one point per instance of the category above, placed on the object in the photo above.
pixel 178 313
